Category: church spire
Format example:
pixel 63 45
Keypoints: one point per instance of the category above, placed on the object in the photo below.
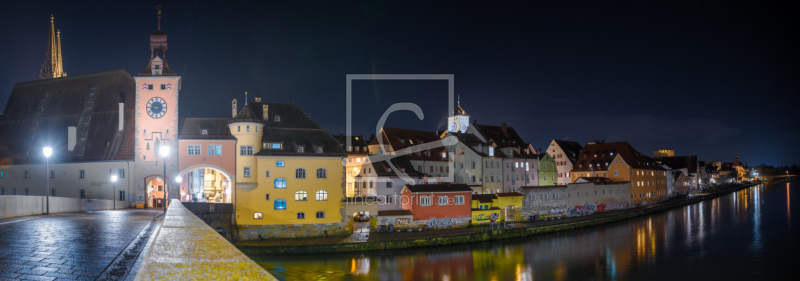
pixel 52 67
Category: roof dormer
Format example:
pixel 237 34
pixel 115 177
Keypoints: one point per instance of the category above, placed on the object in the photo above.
pixel 156 66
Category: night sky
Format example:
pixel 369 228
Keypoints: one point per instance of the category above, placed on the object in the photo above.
pixel 708 78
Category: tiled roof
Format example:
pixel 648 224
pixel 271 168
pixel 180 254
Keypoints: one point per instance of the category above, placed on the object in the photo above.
pixel 192 128
pixel 597 157
pixel 542 186
pixel 395 213
pixel 571 149
pixel 38 114
pixel 355 141
pixel 509 194
pixel 484 198
pixel 492 208
pixel 399 139
pixel 439 187
pixel 495 134
pixel 382 169
pixel 597 180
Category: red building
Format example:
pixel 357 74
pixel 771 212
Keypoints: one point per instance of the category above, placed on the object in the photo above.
pixel 437 201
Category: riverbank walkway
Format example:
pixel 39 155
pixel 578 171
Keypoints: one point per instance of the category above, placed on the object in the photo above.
pixel 395 236
pixel 72 246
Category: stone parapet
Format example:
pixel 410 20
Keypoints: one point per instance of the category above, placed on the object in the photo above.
pixel 248 232
pixel 185 248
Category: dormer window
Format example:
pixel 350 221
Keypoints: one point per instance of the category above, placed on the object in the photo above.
pixel 277 118
pixel 157 66
pixel 204 132
pixel 491 151
pixel 299 149
pixel 444 155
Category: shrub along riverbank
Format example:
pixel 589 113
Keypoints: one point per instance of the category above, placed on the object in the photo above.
pixel 474 234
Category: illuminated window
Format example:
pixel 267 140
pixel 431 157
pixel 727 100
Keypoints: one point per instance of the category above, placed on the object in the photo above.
pixel 258 215
pixel 280 204
pixel 300 195
pixel 280 183
pixel 322 195
pixel 279 163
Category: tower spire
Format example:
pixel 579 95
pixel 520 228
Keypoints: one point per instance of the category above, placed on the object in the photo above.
pixel 245 98
pixel 52 68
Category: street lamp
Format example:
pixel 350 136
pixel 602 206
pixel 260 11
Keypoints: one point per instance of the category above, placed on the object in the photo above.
pixel 47 152
pixel 164 151
pixel 114 180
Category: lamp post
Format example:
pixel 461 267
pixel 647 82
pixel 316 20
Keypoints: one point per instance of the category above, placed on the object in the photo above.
pixel 164 151
pixel 114 180
pixel 47 152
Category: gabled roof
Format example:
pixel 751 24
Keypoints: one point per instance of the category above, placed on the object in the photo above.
pixel 484 198
pixel 595 180
pixel 295 129
pixel 509 194
pixel 192 128
pixel 399 139
pixel 598 156
pixel 677 175
pixel 382 169
pixel 38 113
pixel 495 134
pixel 438 187
pixel 571 149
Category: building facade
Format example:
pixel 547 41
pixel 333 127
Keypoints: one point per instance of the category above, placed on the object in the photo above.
pixel 547 170
pixel 565 153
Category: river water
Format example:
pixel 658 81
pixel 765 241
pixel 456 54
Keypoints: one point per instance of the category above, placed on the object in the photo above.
pixel 747 235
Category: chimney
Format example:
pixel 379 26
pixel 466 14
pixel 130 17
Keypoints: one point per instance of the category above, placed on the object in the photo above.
pixel 71 136
pixel 121 116
pixel 258 99
pixel 505 128
pixel 264 109
pixel 233 104
pixel 121 111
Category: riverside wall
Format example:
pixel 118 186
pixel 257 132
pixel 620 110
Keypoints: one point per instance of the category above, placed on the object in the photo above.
pixel 472 237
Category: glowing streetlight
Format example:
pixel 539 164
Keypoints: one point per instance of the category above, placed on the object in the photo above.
pixel 114 180
pixel 47 152
pixel 164 151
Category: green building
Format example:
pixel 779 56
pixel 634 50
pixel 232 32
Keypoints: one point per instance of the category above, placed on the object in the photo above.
pixel 547 170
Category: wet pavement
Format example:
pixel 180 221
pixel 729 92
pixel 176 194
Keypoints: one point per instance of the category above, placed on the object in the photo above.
pixel 71 246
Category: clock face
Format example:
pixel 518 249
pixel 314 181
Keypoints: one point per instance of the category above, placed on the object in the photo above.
pixel 463 127
pixel 156 107
pixel 453 127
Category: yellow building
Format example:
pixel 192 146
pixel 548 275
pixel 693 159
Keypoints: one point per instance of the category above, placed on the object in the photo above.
pixel 511 205
pixel 620 162
pixel 485 208
pixel 289 174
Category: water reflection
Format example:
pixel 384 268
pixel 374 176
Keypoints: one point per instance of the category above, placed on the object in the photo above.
pixel 729 237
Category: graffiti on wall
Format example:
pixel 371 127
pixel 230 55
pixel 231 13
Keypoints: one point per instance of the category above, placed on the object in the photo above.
pixel 402 221
pixel 580 210
pixel 485 217
pixel 384 221
pixel 441 223
pixel 586 209
pixel 554 212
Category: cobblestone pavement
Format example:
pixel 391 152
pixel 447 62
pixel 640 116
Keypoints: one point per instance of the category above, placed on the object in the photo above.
pixel 67 246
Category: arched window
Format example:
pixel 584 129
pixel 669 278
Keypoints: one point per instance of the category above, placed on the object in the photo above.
pixel 258 215
pixel 280 204
pixel 301 216
pixel 320 215
pixel 322 195
pixel 280 183
pixel 321 173
pixel 301 195
pixel 300 173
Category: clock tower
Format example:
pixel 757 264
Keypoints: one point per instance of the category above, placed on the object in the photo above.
pixel 459 122
pixel 157 89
